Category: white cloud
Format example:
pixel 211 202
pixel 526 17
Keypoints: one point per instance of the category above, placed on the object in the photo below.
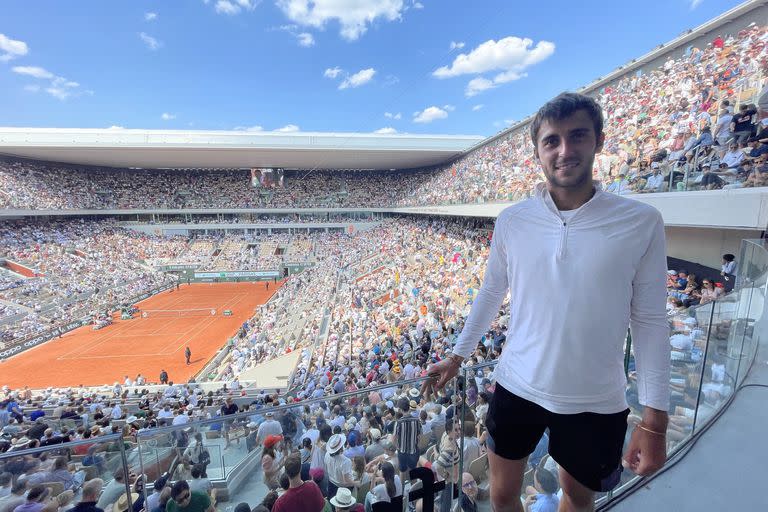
pixel 60 87
pixel 34 71
pixel 386 130
pixel 11 48
pixel 167 117
pixel 390 115
pixel 477 107
pixel 332 72
pixel 362 77
pixel 233 7
pixel 478 85
pixel 449 108
pixel 305 39
pixel 508 54
pixel 288 128
pixel 150 16
pixel 695 4
pixel 418 5
pixel 354 16
pixel 255 128
pixel 511 56
pixel 116 127
pixel 429 114
pixel 457 45
pixel 152 43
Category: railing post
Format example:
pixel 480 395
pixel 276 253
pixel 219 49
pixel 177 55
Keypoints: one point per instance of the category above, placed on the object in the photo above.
pixel 703 367
pixel 627 353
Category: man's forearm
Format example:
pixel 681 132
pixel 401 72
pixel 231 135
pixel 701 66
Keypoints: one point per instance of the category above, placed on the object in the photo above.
pixel 655 419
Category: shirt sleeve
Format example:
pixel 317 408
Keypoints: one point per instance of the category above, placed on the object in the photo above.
pixel 491 295
pixel 648 322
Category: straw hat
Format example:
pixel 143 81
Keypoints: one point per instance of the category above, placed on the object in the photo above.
pixel 335 443
pixel 343 498
pixel 122 505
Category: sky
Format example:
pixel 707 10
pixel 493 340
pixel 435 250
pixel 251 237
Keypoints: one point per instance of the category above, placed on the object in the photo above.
pixel 454 67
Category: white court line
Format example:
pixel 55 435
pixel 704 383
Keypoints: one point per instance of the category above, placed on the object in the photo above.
pixel 116 330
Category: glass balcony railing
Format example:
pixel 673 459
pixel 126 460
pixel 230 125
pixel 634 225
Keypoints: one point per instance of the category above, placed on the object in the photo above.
pixel 353 436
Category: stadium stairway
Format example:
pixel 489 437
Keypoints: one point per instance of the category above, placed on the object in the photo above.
pixel 724 469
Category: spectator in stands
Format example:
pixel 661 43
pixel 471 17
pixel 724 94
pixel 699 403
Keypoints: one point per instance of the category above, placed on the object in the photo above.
pixel 184 500
pixel 545 485
pixel 153 500
pixel 733 157
pixel 344 501
pixel 468 497
pixel 301 496
pixel 16 498
pixel 91 490
pixel 272 460
pixel 338 467
pixel 405 438
pixel 728 267
pixel 198 482
pixel 269 427
pixel 741 124
pixel 114 489
pixel 39 499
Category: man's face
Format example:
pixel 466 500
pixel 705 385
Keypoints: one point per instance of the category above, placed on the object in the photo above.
pixel 566 149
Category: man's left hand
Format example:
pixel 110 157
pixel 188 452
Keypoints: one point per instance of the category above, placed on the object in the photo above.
pixel 646 453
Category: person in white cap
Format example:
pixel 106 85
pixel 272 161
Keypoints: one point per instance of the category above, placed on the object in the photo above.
pixel 338 467
pixel 269 427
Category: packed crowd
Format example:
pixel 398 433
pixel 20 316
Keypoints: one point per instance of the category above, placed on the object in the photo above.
pixel 81 268
pixel 682 117
pixel 397 297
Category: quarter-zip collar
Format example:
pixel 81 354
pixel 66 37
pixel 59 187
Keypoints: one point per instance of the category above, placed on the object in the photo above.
pixel 545 200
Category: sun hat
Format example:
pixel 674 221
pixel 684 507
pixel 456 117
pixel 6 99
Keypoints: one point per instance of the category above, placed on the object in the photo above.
pixel 375 434
pixel 335 443
pixel 413 393
pixel 272 440
pixel 122 505
pixel 21 441
pixel 343 498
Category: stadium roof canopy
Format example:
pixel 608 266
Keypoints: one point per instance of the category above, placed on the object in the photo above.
pixel 157 149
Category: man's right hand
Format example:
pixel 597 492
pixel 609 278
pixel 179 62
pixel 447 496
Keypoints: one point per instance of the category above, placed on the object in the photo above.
pixel 440 374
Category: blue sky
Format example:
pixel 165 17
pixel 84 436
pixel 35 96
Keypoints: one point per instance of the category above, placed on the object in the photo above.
pixel 411 66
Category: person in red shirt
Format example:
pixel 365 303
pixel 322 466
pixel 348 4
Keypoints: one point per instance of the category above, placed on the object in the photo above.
pixel 301 496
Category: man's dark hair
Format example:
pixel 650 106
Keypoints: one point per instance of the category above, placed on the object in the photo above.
pixel 729 257
pixel 547 481
pixel 285 483
pixel 243 507
pixel 293 465
pixel 565 105
pixel 196 472
pixel 178 488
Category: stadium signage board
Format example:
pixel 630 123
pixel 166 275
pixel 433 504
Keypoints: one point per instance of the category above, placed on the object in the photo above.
pixel 168 268
pixel 244 273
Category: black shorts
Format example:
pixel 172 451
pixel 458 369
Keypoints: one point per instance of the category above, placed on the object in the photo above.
pixel 587 445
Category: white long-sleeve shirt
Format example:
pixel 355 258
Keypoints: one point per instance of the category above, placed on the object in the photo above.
pixel 574 288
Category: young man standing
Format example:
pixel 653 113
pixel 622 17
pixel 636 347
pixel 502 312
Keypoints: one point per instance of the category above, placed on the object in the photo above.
pixel 187 354
pixel 562 364
pixel 301 496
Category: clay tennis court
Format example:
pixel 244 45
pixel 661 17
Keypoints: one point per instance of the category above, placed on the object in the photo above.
pixel 142 345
